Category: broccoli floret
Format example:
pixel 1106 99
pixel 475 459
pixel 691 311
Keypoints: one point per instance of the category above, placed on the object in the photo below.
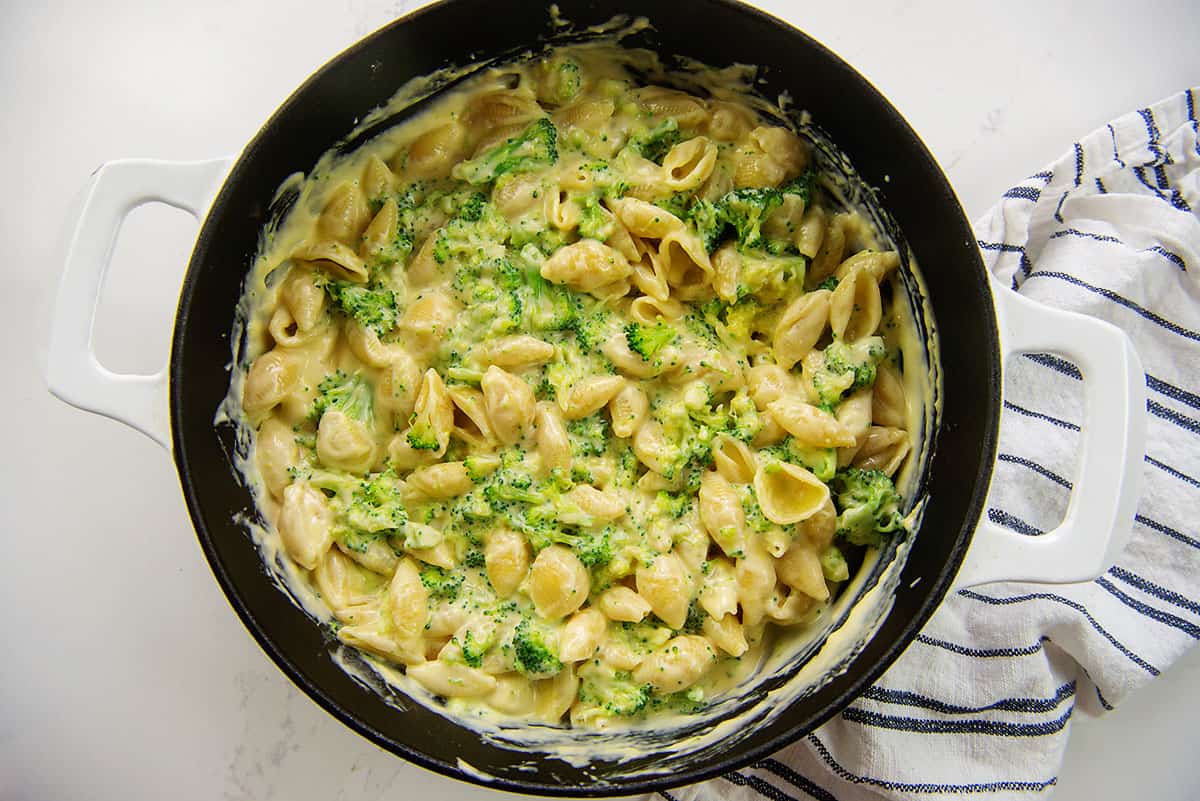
pixel 821 461
pixel 509 486
pixel 802 185
pixel 561 520
pixel 551 307
pixel 709 224
pixel 627 464
pixel 590 328
pixel 395 251
pixel 833 564
pixel 535 232
pixel 672 505
pixel 373 308
pixel 509 307
pixel 440 583
pixel 593 223
pixel 695 618
pixel 614 695
pixel 830 387
pixel 829 283
pixel 472 649
pixel 470 242
pixel 369 505
pixel 656 143
pixel 588 435
pixel 474 559
pixel 869 506
pixel 532 654
pixel 563 82
pixel 647 340
pixel 349 394
pixel 859 358
pixel 594 548
pixel 507 276
pixel 755 519
pixel 466 512
pixel 689 442
pixel 769 277
pixel 377 505
pixel 684 702
pixel 746 210
pixel 702 326
pixel 606 180
pixel 677 203
pixel 421 435
pixel 741 318
pixel 744 419
pixel 480 466
pixel 534 147
pixel 472 209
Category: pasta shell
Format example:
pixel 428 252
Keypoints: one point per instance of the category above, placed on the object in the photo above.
pixel 788 493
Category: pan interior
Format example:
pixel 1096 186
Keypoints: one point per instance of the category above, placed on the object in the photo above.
pixel 910 186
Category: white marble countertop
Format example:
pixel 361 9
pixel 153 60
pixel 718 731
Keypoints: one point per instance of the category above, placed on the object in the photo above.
pixel 125 674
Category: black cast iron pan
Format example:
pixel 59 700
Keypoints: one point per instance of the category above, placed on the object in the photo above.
pixel 887 155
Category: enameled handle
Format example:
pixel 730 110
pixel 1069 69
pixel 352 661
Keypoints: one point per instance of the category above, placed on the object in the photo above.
pixel 73 372
pixel 1099 517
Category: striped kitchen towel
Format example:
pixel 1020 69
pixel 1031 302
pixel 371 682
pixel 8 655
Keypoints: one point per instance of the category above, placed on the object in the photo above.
pixel 981 703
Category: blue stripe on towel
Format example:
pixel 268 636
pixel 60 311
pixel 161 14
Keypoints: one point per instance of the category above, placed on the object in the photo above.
pixel 1153 382
pixel 1158 250
pixel 1184 422
pixel 1177 200
pixel 1058 209
pixel 1170 256
pixel 1166 468
pixel 1120 300
pixel 792 777
pixel 1024 193
pixel 1078 607
pixel 763 788
pixel 1152 134
pixel 1161 187
pixel 1154 525
pixel 1191 109
pixel 979 653
pixel 929 788
pixel 1055 363
pixel 1002 247
pixel 1099 695
pixel 1040 416
pixel 1153 407
pixel 1116 155
pixel 1157 615
pixel 907 698
pixel 1150 588
pixel 994 728
pixel 1035 467
pixel 1173 392
pixel 1075 232
pixel 1012 522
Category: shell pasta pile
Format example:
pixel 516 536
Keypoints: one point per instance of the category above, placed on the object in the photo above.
pixel 569 393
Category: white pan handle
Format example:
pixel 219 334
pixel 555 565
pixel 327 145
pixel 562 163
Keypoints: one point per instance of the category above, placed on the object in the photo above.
pixel 72 371
pixel 1103 501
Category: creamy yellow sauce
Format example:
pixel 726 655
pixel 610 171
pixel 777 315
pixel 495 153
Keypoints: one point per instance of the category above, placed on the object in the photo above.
pixel 354 586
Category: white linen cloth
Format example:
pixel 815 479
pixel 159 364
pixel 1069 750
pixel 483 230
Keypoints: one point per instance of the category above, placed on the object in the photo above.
pixel 980 704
